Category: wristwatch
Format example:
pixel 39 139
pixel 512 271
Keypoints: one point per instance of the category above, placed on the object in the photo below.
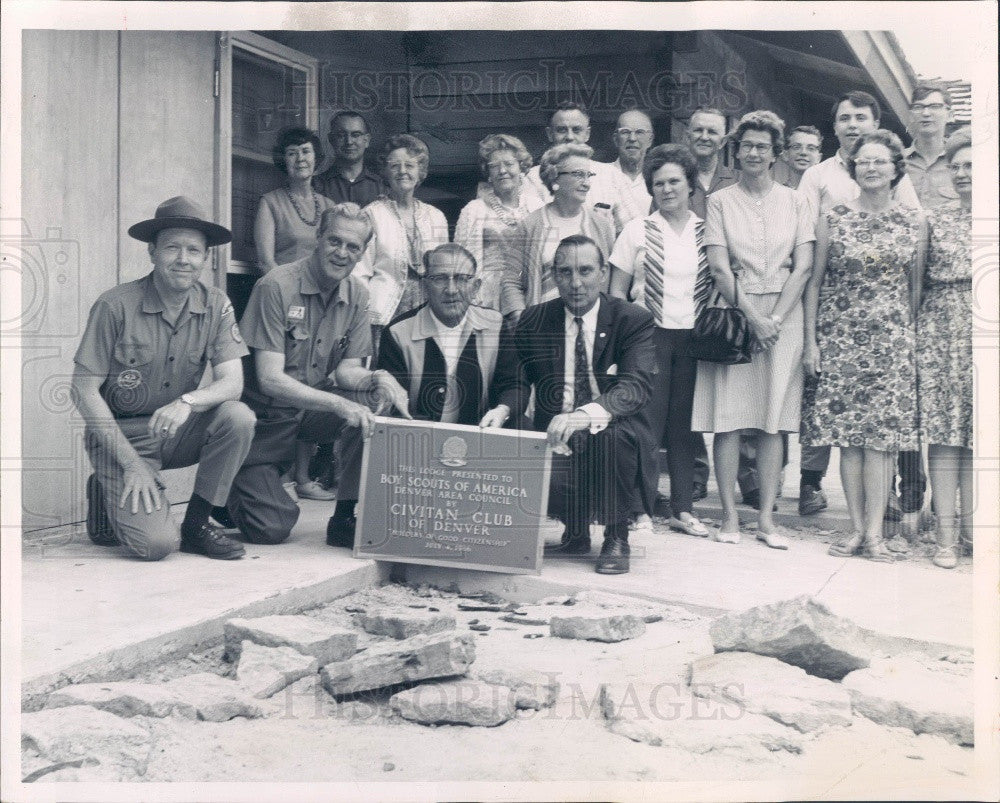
pixel 186 398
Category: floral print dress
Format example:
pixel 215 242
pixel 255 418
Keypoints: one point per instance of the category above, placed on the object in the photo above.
pixel 944 330
pixel 866 394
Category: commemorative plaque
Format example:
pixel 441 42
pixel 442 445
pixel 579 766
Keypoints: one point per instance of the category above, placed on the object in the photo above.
pixel 453 495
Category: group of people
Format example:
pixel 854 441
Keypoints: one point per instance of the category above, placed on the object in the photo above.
pixel 565 303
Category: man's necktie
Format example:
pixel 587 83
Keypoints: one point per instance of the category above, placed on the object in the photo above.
pixel 581 371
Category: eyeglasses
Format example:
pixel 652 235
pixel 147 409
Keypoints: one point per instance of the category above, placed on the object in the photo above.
pixel 797 148
pixel 579 175
pixel 955 167
pixel 626 133
pixel 863 163
pixel 576 130
pixel 339 135
pixel 934 107
pixel 441 280
pixel 755 147
pixel 511 165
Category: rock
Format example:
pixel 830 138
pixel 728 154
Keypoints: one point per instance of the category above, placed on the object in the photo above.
pixel 531 689
pixel 595 624
pixel 124 699
pixel 263 671
pixel 388 766
pixel 458 702
pixel 536 615
pixel 560 599
pixel 801 632
pixel 669 715
pixel 216 699
pixel 763 685
pixel 908 693
pixel 649 612
pixel 302 633
pixel 419 658
pixel 478 627
pixel 77 732
pixel 472 605
pixel 402 623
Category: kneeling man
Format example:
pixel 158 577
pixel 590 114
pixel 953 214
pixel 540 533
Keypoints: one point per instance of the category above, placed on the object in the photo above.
pixel 309 329
pixel 588 357
pixel 449 354
pixel 135 383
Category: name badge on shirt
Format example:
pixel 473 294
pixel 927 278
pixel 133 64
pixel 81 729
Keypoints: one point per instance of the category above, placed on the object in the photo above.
pixel 296 313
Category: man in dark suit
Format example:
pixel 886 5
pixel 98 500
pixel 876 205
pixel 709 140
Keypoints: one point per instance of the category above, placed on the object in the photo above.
pixel 588 357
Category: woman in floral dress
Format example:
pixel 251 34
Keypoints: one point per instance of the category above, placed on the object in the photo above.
pixel 860 338
pixel 944 355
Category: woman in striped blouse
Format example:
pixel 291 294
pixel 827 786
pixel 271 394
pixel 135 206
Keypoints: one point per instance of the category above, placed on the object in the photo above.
pixel 759 235
pixel 655 262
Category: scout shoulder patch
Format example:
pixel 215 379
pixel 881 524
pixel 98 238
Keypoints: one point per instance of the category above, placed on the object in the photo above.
pixel 296 313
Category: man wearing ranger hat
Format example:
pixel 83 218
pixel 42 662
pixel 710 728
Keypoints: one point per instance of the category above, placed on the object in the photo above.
pixel 135 382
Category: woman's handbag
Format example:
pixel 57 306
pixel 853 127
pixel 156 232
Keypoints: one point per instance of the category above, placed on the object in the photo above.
pixel 720 334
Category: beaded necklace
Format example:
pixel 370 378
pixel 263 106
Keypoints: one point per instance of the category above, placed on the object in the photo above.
pixel 413 238
pixel 503 212
pixel 295 206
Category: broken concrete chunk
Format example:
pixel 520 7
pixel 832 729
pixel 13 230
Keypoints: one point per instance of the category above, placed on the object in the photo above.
pixel 762 685
pixel 907 693
pixel 119 747
pixel 419 658
pixel 534 615
pixel 124 699
pixel 264 671
pixel 458 702
pixel 531 689
pixel 801 632
pixel 216 699
pixel 668 714
pixel 402 623
pixel 302 633
pixel 594 624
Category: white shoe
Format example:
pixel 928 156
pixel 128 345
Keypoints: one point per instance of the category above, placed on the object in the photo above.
pixel 687 523
pixel 643 525
pixel 727 538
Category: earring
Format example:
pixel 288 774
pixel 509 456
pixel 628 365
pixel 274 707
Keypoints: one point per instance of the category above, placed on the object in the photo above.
pixel 555 187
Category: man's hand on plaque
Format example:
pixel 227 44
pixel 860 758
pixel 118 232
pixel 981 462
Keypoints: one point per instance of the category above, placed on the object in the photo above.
pixel 357 415
pixel 495 418
pixel 562 427
pixel 390 394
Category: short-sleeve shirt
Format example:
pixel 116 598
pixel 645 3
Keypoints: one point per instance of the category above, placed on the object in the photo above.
pixel 679 266
pixel 362 191
pixel 759 233
pixel 931 179
pixel 289 314
pixel 146 362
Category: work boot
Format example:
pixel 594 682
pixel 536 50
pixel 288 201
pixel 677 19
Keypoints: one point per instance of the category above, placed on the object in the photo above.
pixel 811 500
pixel 212 542
pixel 752 499
pixel 98 524
pixel 614 557
pixel 700 491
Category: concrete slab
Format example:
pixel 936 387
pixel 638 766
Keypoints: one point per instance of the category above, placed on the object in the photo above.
pixel 93 613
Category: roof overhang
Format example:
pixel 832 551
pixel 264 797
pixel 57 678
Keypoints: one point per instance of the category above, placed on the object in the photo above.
pixel 881 56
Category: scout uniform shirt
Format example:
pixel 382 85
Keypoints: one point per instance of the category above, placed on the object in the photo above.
pixel 147 363
pixel 289 315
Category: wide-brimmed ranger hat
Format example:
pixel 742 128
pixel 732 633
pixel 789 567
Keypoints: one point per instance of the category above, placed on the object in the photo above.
pixel 180 213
